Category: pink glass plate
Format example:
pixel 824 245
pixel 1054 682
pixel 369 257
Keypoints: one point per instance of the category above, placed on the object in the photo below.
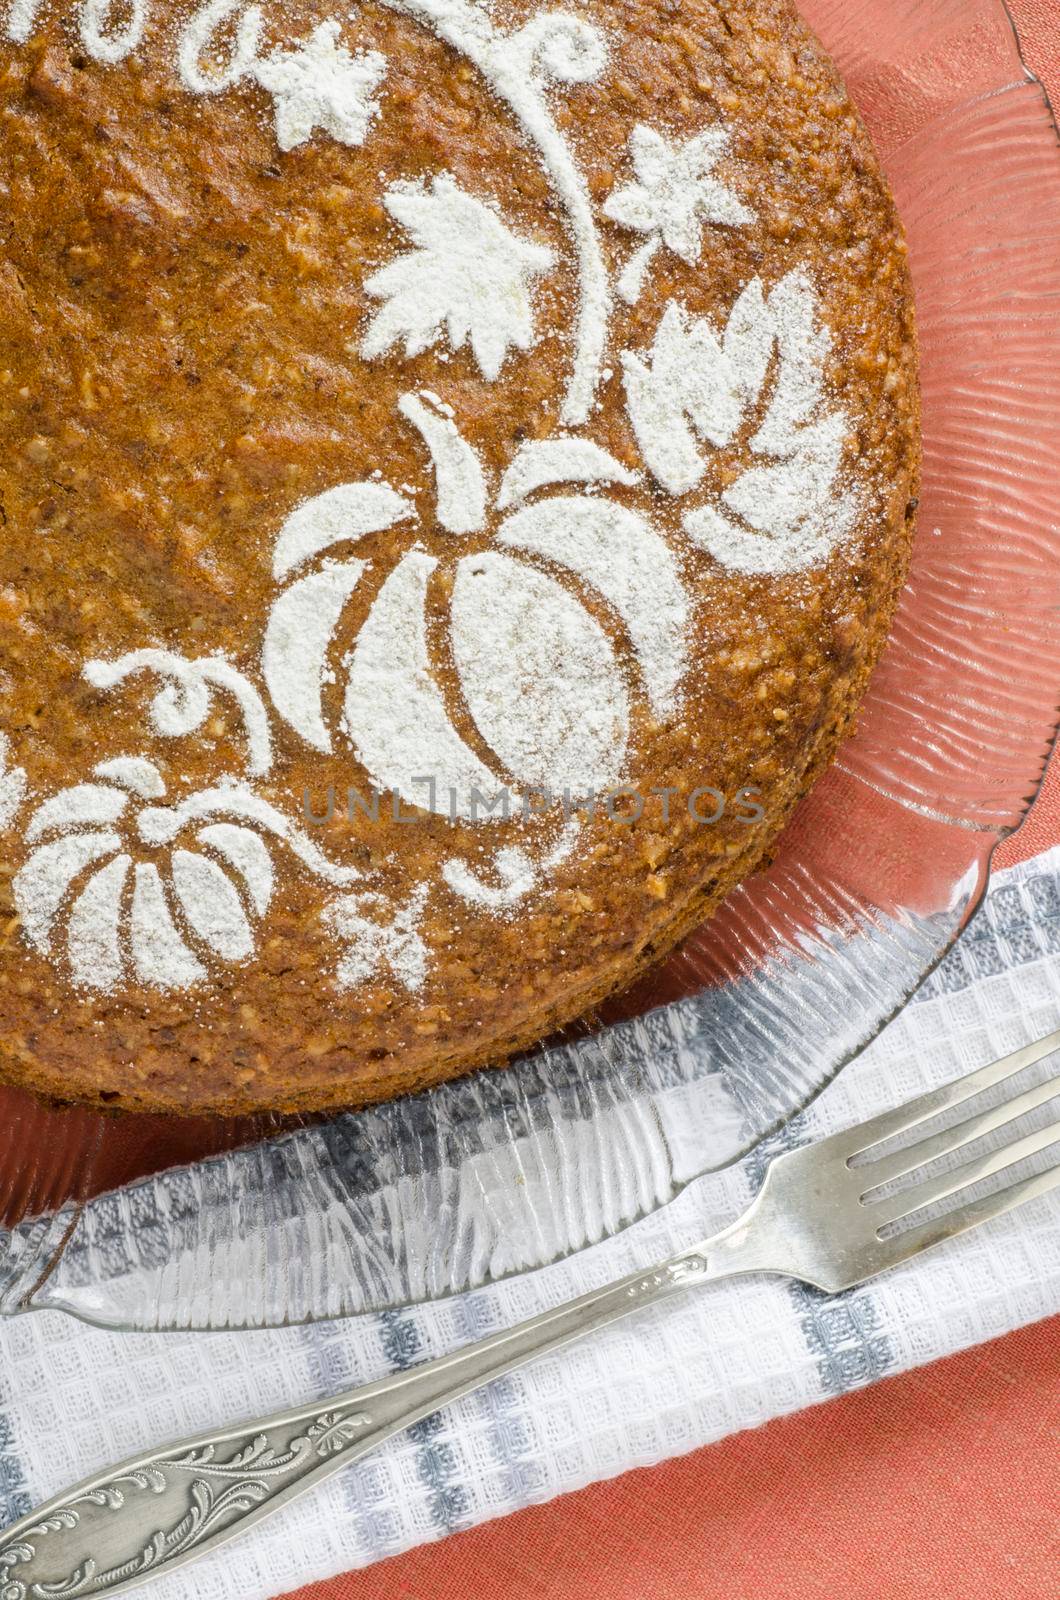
pixel 151 1222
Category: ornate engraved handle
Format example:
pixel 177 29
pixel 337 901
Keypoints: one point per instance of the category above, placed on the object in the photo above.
pixel 155 1513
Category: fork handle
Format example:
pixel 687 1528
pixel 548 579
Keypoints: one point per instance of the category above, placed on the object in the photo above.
pixel 159 1511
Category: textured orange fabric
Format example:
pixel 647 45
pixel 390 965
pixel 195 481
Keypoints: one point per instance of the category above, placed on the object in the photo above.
pixel 941 1484
pixel 1038 25
pixel 1042 827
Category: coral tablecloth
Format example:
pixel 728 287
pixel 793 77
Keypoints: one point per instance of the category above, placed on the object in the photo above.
pixel 944 1482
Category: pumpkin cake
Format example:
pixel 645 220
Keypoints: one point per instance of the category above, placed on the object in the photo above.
pixel 457 467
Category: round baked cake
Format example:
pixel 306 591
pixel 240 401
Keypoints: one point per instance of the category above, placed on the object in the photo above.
pixel 457 467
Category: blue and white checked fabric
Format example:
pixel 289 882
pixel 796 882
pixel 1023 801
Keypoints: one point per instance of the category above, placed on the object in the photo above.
pixel 74 1399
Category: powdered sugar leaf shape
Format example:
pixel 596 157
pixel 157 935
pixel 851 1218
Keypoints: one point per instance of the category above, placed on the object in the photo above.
pixel 696 385
pixel 538 673
pixel 468 278
pixel 320 85
pixel 675 194
pixel 699 385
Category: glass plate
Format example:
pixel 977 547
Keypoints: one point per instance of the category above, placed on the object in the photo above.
pixel 147 1222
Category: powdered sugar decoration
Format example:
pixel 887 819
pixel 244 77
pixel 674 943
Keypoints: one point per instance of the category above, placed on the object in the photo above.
pixel 541 462
pixel 351 510
pixel 468 278
pixel 109 42
pixel 539 675
pixel 396 717
pixel 156 922
pixel 459 481
pixel 676 192
pixel 700 383
pixel 199 50
pixel 695 386
pixel 527 612
pixel 470 275
pixel 110 30
pixel 380 942
pixel 321 85
pixel 514 870
pixel 183 703
pixel 132 890
pixel 230 798
pixel 553 47
pixel 620 555
pixel 12 785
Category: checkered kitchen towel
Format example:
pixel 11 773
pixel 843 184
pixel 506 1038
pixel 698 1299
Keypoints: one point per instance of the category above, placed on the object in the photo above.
pixel 74 1399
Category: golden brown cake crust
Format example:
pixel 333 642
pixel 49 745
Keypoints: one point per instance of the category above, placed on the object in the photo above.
pixel 183 316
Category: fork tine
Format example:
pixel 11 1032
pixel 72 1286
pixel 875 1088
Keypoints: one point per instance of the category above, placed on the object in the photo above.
pixel 884 1169
pixel 910 1243
pixel 896 1206
pixel 904 1118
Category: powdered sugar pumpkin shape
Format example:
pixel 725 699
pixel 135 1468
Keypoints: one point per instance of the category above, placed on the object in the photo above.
pixel 127 917
pixel 130 885
pixel 539 675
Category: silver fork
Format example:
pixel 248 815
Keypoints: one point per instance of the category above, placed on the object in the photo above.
pixel 828 1214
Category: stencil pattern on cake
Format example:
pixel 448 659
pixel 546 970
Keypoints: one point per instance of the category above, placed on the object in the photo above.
pixel 380 940
pixel 538 673
pixel 205 64
pixel 109 881
pixel 701 384
pixel 321 85
pixel 468 277
pixel 675 195
pixel 183 703
pixel 109 30
pixel 482 269
pixel 519 67
pixel 125 888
